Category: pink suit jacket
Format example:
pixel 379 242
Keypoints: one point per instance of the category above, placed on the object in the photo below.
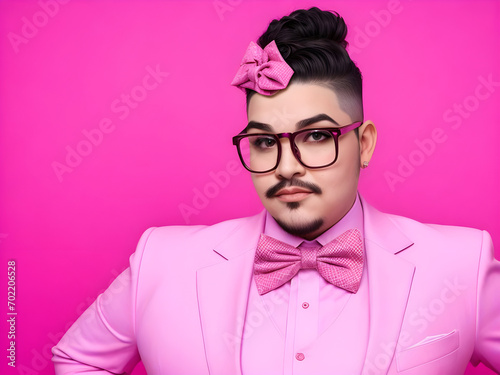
pixel 180 306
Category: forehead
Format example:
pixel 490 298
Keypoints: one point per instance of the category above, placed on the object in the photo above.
pixel 297 102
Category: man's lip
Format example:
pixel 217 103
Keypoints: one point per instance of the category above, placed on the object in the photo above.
pixel 292 185
pixel 293 194
pixel 292 190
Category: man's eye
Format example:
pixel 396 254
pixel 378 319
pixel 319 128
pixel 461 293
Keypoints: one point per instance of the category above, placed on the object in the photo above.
pixel 317 136
pixel 264 142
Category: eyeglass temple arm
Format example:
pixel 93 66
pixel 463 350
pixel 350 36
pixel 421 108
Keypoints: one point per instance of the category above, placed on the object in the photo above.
pixel 348 128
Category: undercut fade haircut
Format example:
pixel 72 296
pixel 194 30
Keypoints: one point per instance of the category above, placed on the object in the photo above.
pixel 313 43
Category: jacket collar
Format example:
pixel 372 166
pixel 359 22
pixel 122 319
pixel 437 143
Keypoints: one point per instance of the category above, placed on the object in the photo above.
pixel 223 290
pixel 381 230
pixel 390 279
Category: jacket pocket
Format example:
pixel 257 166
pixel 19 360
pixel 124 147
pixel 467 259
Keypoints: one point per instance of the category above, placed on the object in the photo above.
pixel 427 350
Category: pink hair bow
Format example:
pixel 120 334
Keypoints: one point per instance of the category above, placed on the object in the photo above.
pixel 263 70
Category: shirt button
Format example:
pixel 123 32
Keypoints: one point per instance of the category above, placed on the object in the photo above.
pixel 305 305
pixel 300 356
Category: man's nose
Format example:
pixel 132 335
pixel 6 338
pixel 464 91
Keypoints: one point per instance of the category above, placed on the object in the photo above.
pixel 288 166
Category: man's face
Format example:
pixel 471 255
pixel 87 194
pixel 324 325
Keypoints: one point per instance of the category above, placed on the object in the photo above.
pixel 306 202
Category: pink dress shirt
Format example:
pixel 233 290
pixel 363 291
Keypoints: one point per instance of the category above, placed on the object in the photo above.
pixel 301 318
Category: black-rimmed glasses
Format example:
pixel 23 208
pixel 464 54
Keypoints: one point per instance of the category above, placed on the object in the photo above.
pixel 313 147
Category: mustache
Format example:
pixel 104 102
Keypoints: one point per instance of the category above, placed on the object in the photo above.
pixel 272 191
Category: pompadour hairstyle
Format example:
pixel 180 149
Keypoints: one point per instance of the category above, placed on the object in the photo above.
pixel 313 43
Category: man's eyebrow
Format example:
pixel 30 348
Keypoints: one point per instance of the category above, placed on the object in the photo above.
pixel 301 124
pixel 258 125
pixel 312 120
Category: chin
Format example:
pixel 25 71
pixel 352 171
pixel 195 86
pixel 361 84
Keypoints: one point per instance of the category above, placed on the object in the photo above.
pixel 304 229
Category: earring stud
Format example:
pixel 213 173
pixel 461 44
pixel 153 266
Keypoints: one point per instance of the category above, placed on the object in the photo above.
pixel 365 164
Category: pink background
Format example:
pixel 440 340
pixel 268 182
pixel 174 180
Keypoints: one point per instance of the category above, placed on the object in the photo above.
pixel 63 71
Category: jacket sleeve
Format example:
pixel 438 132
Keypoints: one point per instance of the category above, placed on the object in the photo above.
pixel 487 348
pixel 103 339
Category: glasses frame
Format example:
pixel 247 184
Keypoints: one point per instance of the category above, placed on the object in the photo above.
pixel 335 132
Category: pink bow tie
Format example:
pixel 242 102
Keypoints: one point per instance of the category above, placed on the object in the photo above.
pixel 263 70
pixel 340 262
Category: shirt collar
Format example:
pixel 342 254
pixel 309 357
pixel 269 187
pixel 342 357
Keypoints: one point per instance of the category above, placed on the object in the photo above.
pixel 352 220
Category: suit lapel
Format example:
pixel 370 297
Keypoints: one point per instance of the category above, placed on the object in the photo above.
pixel 223 290
pixel 390 278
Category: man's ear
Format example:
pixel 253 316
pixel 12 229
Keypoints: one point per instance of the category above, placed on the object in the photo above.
pixel 367 141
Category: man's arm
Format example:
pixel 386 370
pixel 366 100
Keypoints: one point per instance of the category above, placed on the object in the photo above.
pixel 487 348
pixel 103 339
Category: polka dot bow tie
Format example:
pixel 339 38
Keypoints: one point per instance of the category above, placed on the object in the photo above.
pixel 340 262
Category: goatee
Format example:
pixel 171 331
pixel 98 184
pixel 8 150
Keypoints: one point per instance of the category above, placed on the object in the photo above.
pixel 301 230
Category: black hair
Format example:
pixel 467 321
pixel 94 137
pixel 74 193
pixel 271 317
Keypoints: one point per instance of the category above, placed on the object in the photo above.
pixel 313 43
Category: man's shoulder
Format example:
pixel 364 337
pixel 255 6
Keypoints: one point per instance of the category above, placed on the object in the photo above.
pixel 207 235
pixel 167 246
pixel 442 243
pixel 224 226
pixel 428 235
pixel 452 232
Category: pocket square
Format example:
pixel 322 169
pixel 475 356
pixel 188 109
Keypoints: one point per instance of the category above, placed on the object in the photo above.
pixel 427 350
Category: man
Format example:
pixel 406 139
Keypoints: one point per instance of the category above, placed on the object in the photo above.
pixel 318 283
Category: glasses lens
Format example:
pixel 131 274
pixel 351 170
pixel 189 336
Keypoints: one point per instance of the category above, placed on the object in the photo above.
pixel 317 147
pixel 259 152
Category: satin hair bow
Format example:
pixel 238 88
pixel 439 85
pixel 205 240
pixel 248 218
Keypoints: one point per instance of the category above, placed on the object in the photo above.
pixel 263 70
pixel 340 262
